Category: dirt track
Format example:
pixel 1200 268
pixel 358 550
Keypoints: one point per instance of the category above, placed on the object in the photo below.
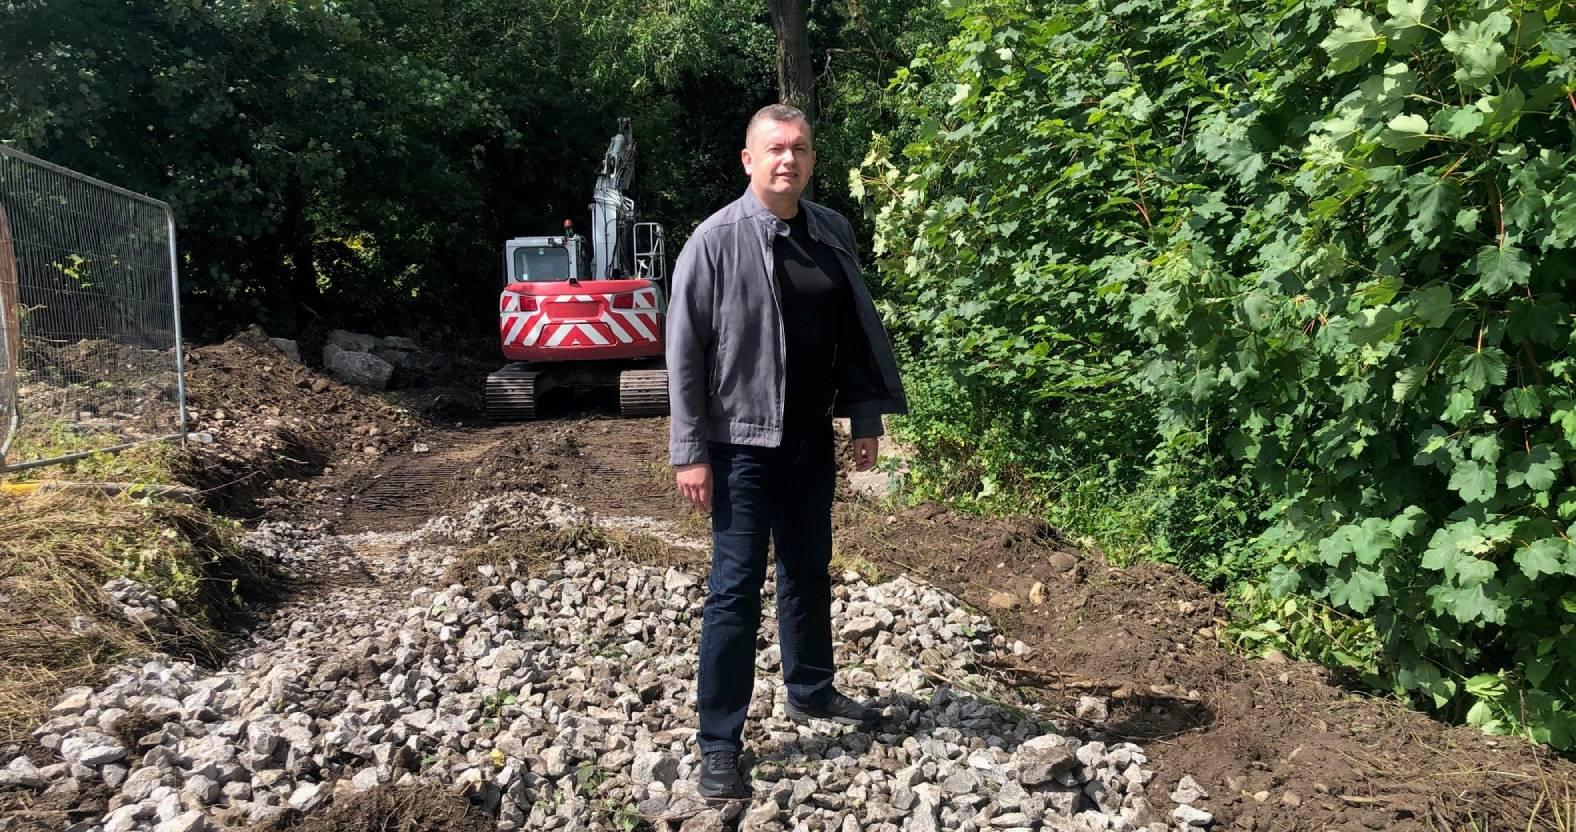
pixel 1279 745
pixel 1112 654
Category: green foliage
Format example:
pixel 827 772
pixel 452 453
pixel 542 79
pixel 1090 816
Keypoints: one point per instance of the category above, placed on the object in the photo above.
pixel 360 163
pixel 978 449
pixel 1321 248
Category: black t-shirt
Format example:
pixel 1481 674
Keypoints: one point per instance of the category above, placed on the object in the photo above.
pixel 817 313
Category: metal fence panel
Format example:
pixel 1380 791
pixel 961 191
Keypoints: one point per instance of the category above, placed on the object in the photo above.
pixel 90 345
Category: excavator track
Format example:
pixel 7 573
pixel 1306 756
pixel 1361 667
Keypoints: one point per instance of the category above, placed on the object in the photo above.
pixel 643 393
pixel 511 394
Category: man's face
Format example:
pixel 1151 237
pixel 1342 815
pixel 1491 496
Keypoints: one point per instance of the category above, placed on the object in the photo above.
pixel 778 158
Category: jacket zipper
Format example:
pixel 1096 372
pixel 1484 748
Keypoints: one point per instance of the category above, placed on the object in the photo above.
pixel 770 239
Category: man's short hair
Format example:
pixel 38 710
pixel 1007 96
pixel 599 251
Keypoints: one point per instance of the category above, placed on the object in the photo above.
pixel 778 113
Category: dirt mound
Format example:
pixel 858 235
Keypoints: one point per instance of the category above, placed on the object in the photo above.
pixel 273 421
pixel 609 465
pixel 1279 745
pixel 98 387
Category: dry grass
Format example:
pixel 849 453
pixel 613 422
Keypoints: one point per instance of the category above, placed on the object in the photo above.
pixel 1513 801
pixel 57 627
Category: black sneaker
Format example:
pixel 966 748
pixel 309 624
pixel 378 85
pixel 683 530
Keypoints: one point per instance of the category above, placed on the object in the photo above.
pixel 720 778
pixel 837 708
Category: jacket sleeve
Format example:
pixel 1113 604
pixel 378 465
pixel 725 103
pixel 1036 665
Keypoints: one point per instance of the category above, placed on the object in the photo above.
pixel 856 378
pixel 688 351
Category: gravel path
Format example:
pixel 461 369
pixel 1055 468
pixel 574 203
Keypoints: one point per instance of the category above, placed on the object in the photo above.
pixel 564 700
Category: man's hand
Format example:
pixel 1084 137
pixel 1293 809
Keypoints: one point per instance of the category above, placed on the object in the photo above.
pixel 866 450
pixel 695 484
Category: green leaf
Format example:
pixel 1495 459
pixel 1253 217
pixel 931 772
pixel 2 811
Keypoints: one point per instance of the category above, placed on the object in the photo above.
pixel 1485 448
pixel 1538 670
pixel 1452 546
pixel 1357 593
pixel 1501 112
pixel 1486 685
pixel 1380 292
pixel 1460 122
pixel 1474 481
pixel 1478 52
pixel 1542 557
pixel 1523 403
pixel 1282 580
pixel 1477 369
pixel 1353 40
pixel 1379 324
pixel 1405 133
pixel 1460 404
pixel 1421 674
pixel 1408 21
pixel 1432 200
pixel 1498 269
pixel 1407 380
pixel 1467 604
pixel 1433 305
pixel 1408 522
pixel 1481 715
pixel 1537 469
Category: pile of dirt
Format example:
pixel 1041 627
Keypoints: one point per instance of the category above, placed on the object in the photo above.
pixel 92 393
pixel 267 423
pixel 1280 745
pixel 424 807
pixel 609 466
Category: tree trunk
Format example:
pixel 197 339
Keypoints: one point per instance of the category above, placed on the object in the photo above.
pixel 299 233
pixel 795 73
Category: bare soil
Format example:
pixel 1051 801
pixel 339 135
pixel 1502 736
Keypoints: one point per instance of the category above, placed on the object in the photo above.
pixel 419 808
pixel 1279 745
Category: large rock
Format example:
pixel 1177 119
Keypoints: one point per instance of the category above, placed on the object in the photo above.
pixel 353 341
pixel 22 773
pixel 1041 759
pixel 362 369
pixel 709 820
pixel 92 749
pixel 307 796
pixel 398 342
pixel 1188 791
pixel 192 821
pixel 655 767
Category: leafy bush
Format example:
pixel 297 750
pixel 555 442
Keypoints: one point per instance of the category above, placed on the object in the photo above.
pixel 1325 244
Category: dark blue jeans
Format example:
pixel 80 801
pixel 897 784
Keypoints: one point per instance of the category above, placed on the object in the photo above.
pixel 783 494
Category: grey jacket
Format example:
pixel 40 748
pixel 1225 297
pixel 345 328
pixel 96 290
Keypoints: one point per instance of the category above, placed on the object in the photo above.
pixel 725 346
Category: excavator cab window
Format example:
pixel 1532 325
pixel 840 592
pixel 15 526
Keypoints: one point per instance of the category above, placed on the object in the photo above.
pixel 541 263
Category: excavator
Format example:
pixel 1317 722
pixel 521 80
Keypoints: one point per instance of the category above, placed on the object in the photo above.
pixel 569 318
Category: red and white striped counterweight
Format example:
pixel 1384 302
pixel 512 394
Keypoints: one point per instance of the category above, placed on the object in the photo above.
pixel 594 320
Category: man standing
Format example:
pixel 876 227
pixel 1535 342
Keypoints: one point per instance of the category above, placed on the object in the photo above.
pixel 771 332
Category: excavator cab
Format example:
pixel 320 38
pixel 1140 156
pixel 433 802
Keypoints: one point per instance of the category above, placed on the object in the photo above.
pixel 546 259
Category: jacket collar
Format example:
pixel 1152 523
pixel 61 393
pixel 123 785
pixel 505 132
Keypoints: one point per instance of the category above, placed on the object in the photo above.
pixel 753 207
